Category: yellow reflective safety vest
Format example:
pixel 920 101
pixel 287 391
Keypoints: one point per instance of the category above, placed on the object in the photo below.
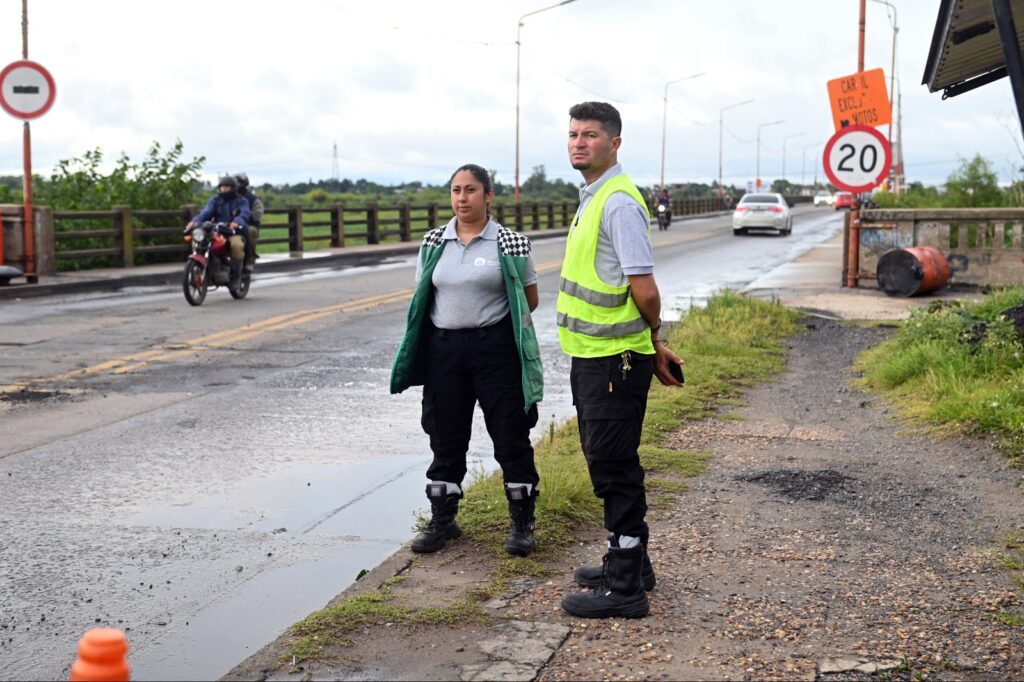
pixel 596 319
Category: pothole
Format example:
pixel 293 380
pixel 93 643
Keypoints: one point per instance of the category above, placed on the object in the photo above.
pixel 798 484
pixel 26 395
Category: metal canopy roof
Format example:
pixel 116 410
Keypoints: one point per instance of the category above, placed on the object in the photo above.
pixel 966 51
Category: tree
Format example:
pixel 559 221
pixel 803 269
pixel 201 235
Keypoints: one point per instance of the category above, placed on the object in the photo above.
pixel 536 183
pixel 160 180
pixel 974 184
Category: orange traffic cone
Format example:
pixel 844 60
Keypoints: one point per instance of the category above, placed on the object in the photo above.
pixel 101 657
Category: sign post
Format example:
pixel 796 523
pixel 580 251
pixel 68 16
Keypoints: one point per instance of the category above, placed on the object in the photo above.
pixel 27 91
pixel 856 159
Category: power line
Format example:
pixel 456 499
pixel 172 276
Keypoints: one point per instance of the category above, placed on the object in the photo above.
pixel 544 64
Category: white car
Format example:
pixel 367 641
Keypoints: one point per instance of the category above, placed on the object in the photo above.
pixel 824 198
pixel 762 211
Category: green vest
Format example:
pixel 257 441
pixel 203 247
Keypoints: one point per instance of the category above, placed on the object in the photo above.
pixel 596 319
pixel 513 249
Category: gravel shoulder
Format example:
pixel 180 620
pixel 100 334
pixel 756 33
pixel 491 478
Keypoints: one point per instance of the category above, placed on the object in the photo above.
pixel 824 542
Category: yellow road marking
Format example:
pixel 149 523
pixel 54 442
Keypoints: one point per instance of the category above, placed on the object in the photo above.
pixel 174 350
pixel 227 337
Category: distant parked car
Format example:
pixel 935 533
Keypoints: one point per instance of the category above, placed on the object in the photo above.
pixel 762 211
pixel 824 198
pixel 843 200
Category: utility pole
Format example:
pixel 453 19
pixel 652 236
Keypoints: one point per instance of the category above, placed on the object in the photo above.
pixel 27 209
pixel 334 166
pixel 853 243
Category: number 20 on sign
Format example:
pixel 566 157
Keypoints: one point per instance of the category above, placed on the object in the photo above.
pixel 857 158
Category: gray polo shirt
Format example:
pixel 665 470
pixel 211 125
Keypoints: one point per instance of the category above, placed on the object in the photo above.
pixel 624 241
pixel 469 290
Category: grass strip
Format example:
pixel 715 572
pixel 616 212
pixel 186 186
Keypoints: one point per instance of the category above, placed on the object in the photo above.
pixel 732 343
pixel 956 368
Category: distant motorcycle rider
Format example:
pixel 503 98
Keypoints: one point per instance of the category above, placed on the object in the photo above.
pixel 255 219
pixel 229 208
pixel 665 200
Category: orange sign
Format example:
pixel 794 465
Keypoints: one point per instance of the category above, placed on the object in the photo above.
pixel 860 100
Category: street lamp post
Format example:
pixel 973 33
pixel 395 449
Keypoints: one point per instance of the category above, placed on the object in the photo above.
pixel 803 165
pixel 721 192
pixel 664 122
pixel 519 31
pixel 757 180
pixel 892 68
pixel 787 137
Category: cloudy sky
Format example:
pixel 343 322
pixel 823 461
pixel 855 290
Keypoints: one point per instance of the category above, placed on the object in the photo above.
pixel 408 90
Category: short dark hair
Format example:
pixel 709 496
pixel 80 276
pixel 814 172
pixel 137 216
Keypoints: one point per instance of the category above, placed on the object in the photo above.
pixel 481 175
pixel 602 112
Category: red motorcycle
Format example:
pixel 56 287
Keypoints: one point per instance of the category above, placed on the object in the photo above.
pixel 209 264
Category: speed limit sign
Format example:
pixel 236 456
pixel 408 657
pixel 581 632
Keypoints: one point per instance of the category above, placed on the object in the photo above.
pixel 857 158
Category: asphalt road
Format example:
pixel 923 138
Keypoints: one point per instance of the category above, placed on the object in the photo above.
pixel 203 477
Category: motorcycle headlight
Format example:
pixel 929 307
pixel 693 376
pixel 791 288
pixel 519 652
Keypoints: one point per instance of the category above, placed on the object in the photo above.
pixel 199 234
pixel 661 208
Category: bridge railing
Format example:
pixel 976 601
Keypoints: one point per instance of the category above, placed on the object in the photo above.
pixel 984 246
pixel 125 237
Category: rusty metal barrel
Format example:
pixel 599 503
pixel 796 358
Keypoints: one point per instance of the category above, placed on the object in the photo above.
pixel 912 271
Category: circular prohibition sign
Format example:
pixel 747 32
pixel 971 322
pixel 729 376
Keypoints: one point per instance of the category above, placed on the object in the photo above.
pixel 27 89
pixel 857 158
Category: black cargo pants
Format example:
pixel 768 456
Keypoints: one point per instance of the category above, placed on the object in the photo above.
pixel 466 366
pixel 611 401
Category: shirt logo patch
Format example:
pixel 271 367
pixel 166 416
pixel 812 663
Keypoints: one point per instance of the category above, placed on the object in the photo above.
pixel 482 262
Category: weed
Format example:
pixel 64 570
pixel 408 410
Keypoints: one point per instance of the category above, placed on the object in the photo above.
pixel 957 367
pixel 1014 620
pixel 331 626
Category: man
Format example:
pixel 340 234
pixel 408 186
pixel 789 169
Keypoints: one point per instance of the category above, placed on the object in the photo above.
pixel 609 320
pixel 227 207
pixel 255 218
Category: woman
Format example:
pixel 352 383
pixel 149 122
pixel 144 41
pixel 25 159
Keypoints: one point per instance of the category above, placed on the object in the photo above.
pixel 469 338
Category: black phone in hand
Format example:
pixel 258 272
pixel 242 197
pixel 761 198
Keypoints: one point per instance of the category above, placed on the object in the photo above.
pixel 676 370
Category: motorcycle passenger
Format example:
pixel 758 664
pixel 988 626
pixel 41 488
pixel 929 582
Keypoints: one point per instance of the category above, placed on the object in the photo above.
pixel 229 208
pixel 255 218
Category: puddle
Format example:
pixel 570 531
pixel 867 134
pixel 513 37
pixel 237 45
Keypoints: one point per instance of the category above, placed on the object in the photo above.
pixel 369 499
pixel 229 630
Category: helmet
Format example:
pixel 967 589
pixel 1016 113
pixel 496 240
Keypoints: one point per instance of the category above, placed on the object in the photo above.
pixel 243 180
pixel 228 181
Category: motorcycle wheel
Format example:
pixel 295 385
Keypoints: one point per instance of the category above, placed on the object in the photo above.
pixel 243 287
pixel 194 284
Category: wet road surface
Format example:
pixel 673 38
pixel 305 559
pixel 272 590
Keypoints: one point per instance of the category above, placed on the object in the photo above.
pixel 203 478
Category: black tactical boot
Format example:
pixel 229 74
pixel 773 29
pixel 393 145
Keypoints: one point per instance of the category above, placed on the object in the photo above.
pixel 521 505
pixel 621 593
pixel 442 526
pixel 590 576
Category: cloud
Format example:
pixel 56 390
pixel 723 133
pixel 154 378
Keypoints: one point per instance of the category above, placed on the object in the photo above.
pixel 407 88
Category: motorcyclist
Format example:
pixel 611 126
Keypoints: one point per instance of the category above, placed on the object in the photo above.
pixel 229 208
pixel 255 219
pixel 665 200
